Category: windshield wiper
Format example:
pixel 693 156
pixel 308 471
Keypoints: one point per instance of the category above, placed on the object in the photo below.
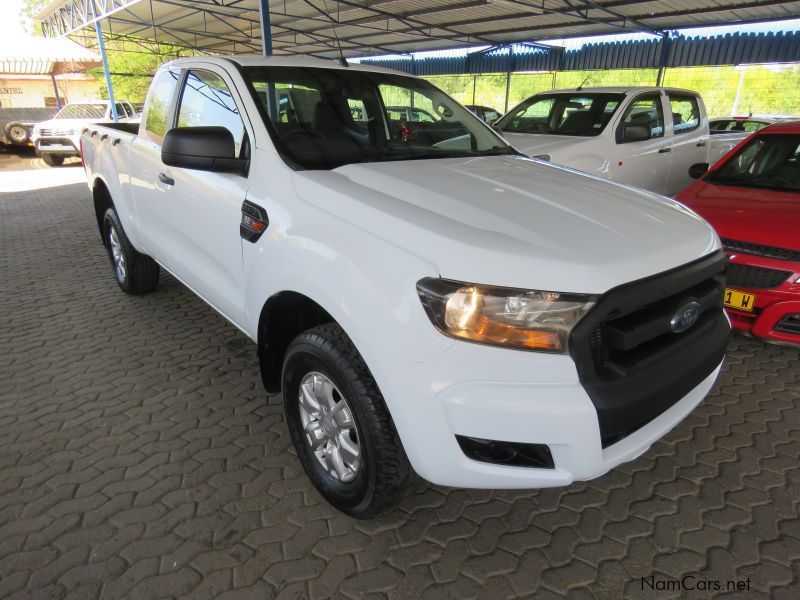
pixel 753 183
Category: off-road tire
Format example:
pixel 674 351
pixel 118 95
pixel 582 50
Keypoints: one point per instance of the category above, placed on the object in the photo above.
pixel 141 272
pixel 384 475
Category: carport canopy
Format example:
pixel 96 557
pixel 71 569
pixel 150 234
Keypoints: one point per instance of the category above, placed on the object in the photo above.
pixel 364 27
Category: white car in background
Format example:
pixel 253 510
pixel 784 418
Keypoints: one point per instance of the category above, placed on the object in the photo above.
pixel 727 132
pixel 647 137
pixel 59 137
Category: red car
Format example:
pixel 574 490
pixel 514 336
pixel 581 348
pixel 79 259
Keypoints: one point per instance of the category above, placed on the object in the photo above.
pixel 752 198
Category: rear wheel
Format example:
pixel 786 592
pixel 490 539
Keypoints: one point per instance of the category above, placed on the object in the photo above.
pixel 339 424
pixel 136 273
pixel 52 160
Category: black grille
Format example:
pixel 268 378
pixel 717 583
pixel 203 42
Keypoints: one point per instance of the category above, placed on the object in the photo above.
pixel 755 278
pixel 631 363
pixel 761 250
pixel 512 454
pixel 789 324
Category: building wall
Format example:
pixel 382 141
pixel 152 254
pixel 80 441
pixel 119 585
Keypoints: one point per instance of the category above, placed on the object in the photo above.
pixel 29 91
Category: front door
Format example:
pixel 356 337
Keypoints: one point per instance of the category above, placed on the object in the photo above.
pixel 202 210
pixel 643 163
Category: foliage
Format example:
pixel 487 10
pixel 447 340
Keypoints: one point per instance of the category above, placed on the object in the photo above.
pixel 31 8
pixel 132 67
pixel 767 89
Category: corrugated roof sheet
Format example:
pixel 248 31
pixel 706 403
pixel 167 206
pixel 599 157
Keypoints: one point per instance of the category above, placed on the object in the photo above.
pixel 380 27
pixel 682 51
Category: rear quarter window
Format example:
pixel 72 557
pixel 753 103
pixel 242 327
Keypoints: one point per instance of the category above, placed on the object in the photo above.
pixel 685 113
pixel 157 111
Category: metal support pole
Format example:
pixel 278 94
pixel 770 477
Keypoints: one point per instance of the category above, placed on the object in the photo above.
pixel 474 83
pixel 109 86
pixel 662 59
pixel 55 89
pixel 508 73
pixel 266 28
pixel 266 50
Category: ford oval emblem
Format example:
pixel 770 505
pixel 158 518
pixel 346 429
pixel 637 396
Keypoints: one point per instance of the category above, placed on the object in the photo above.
pixel 686 316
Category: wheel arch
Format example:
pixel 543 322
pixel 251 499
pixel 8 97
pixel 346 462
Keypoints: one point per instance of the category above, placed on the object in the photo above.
pixel 102 202
pixel 284 315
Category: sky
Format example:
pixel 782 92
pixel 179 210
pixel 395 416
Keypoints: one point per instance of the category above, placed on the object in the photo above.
pixel 10 13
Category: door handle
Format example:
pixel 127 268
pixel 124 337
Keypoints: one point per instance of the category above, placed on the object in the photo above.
pixel 700 144
pixel 164 178
pixel 664 150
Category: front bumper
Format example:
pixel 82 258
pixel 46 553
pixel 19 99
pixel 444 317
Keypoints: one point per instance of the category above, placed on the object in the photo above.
pixel 60 146
pixel 772 306
pixel 509 396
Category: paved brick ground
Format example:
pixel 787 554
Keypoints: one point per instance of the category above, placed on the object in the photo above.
pixel 140 458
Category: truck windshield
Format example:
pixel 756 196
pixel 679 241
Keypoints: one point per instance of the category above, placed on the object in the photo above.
pixel 562 114
pixel 766 161
pixel 325 118
pixel 82 111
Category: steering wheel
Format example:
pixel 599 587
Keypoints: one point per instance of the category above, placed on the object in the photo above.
pixel 304 132
pixel 536 127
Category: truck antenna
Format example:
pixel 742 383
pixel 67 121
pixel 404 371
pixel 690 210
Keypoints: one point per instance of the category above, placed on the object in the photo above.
pixel 342 60
pixel 580 87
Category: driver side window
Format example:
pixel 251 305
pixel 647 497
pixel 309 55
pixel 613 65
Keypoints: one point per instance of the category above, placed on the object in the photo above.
pixel 207 101
pixel 645 111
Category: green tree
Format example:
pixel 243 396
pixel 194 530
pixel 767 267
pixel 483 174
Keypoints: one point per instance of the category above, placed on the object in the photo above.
pixel 31 8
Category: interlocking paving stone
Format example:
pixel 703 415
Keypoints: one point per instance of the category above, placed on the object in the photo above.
pixel 141 458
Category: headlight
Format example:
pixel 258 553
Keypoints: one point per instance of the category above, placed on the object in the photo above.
pixel 500 316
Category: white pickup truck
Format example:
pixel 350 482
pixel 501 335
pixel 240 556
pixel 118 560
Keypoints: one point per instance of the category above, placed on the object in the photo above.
pixel 59 137
pixel 647 137
pixel 426 299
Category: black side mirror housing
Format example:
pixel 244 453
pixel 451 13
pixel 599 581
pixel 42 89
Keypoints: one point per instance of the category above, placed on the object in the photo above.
pixel 697 170
pixel 202 149
pixel 635 133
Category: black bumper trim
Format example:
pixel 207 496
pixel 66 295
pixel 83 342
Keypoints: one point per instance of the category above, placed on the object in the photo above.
pixel 631 366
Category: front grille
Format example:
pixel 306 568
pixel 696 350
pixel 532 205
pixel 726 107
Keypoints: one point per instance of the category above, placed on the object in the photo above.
pixel 631 363
pixel 761 250
pixel 789 324
pixel 755 278
pixel 57 132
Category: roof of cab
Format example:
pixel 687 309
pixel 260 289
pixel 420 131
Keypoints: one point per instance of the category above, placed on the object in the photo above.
pixel 792 127
pixel 619 90
pixel 254 60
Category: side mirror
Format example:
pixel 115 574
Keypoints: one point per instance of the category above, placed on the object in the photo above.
pixel 697 170
pixel 202 149
pixel 635 133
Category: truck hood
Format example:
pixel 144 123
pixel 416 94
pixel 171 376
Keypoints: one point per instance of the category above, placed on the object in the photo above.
pixel 541 143
pixel 513 221
pixel 760 216
pixel 65 124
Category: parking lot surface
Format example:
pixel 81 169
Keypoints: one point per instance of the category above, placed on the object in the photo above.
pixel 141 458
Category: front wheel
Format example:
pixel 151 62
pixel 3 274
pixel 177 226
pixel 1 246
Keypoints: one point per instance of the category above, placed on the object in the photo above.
pixel 52 160
pixel 339 424
pixel 136 273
